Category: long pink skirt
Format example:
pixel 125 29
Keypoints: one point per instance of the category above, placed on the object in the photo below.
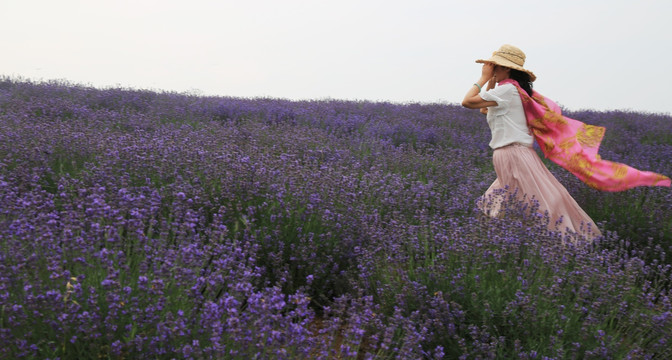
pixel 521 173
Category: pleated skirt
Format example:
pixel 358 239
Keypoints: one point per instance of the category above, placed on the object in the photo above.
pixel 522 176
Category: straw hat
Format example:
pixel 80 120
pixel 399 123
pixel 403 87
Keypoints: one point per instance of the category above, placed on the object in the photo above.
pixel 511 57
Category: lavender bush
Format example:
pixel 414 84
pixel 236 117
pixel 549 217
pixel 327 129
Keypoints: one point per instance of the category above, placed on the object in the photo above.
pixel 138 224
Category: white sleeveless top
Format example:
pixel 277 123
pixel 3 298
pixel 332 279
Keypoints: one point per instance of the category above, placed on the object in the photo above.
pixel 507 119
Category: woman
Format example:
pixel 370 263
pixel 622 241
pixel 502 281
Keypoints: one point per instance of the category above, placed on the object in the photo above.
pixel 517 116
pixel 517 165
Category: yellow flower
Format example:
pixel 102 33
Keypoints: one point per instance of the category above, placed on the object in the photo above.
pixel 581 165
pixel 567 143
pixel 620 170
pixel 590 135
pixel 554 117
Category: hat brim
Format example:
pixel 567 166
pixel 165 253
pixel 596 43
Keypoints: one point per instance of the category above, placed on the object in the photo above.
pixel 509 64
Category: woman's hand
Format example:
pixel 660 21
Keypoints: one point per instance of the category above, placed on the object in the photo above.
pixel 491 84
pixel 472 99
pixel 488 71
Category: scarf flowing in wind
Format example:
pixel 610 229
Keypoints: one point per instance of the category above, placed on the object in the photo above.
pixel 574 146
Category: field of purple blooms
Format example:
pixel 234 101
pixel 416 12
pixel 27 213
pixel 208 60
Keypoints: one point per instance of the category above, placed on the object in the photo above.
pixel 140 224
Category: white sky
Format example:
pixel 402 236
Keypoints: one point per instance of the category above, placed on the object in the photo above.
pixel 587 54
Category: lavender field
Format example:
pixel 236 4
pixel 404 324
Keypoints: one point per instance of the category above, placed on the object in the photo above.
pixel 139 224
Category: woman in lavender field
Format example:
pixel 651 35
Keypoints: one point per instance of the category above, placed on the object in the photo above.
pixel 517 116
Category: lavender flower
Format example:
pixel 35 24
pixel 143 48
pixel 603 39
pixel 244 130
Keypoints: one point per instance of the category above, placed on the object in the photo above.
pixel 139 224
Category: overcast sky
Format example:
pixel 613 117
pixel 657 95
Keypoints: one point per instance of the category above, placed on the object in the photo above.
pixel 587 54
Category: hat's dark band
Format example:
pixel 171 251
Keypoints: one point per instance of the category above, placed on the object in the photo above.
pixel 513 61
pixel 508 53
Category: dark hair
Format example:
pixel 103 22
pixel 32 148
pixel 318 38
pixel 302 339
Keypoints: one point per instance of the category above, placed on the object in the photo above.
pixel 523 80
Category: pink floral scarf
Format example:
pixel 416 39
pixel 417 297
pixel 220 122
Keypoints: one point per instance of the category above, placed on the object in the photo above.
pixel 574 146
